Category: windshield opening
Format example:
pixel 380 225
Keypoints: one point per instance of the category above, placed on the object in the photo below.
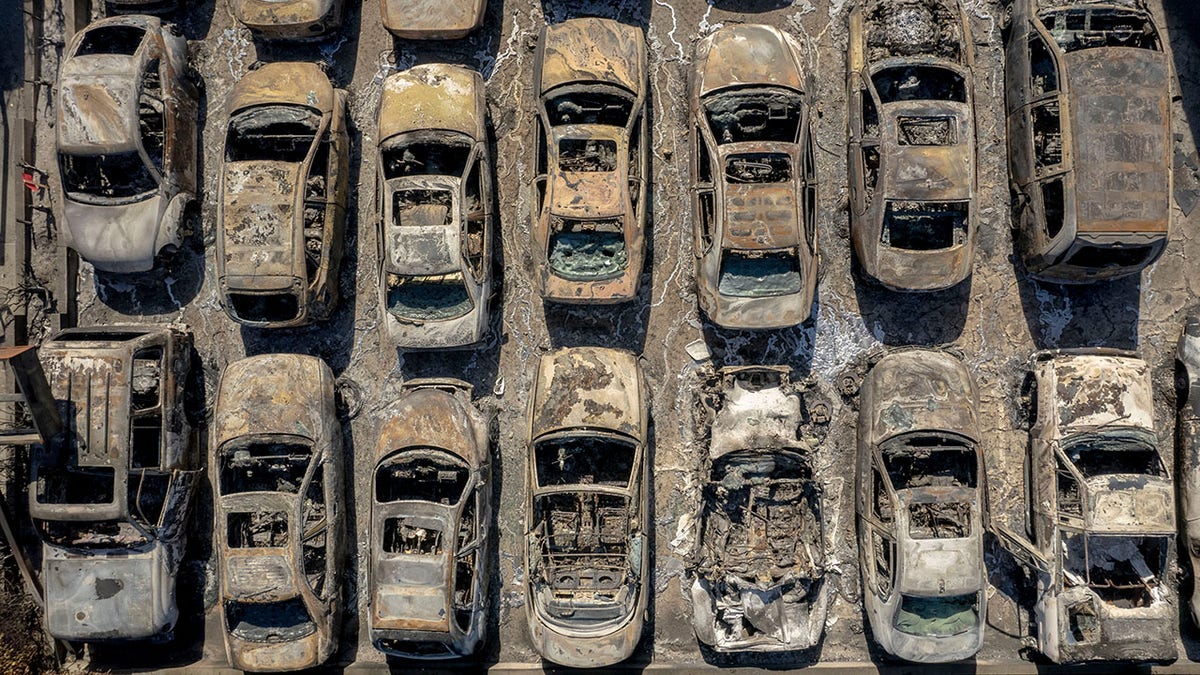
pixel 587 154
pixel 283 621
pixel 122 40
pixel 79 485
pixel 760 274
pixel 264 466
pixel 937 617
pixel 919 83
pixel 264 307
pixel 930 460
pixel 587 250
pixel 426 158
pixel 1096 455
pixel 607 107
pixel 585 461
pixel 1083 28
pixel 758 167
pixel 435 297
pixel 115 176
pixel 280 133
pixel 258 529
pixel 744 115
pixel 1097 257
pixel 427 476
pixel 1122 570
pixel 924 226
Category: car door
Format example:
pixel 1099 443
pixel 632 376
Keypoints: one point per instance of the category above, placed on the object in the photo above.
pixel 703 192
pixel 1040 166
pixel 877 540
pixel 477 229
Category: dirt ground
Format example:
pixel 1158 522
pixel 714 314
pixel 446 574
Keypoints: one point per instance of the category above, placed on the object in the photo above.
pixel 995 320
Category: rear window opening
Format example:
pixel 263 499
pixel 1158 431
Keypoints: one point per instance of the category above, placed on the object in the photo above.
pixel 924 226
pixel 115 176
pixel 428 476
pixel 590 155
pixel 436 297
pixel 919 83
pixel 432 650
pixel 122 40
pixel 1099 456
pixel 279 133
pixel 145 441
pixel 1123 571
pixel 937 617
pixel 264 466
pixel 265 307
pixel 1047 135
pixel 590 107
pixel 760 274
pixel 411 536
pixel 283 621
pixel 1097 257
pixel 422 208
pixel 927 131
pixel 259 529
pixel 745 115
pixel 584 461
pixel 930 461
pixel 1083 28
pixel 82 485
pixel 587 250
pixel 425 158
pixel 758 167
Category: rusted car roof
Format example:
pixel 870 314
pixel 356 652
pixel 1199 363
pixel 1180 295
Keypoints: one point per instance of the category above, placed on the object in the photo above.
pixel 1119 131
pixel 937 173
pixel 98 104
pixel 593 50
pixel 588 387
pixel 284 83
pixel 432 418
pixel 920 390
pixel 761 216
pixel 747 54
pixel 260 209
pixel 1094 390
pixel 432 96
pixel 268 383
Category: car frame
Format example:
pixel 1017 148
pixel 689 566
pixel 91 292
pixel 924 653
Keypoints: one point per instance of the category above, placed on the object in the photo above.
pixel 1098 492
pixel 432 19
pixel 911 151
pixel 589 211
pixel 293 20
pixel 1187 358
pixel 430 117
pixel 587 412
pixel 272 209
pixel 921 495
pixel 279 531
pixel 1089 140
pixel 433 435
pixel 763 206
pixel 110 496
pixel 126 109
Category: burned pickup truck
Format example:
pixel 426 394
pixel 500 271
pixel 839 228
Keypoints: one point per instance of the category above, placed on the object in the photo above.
pixel 1087 94
pixel 110 496
pixel 759 574
pixel 587 507
pixel 431 516
pixel 920 503
pixel 126 143
pixel 282 207
pixel 1101 521
pixel 913 204
pixel 279 511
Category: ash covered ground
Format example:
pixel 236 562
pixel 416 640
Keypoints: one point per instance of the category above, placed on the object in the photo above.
pixel 995 320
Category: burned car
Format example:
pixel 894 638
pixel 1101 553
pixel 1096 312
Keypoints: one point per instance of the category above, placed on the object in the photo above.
pixel 435 228
pixel 1101 522
pixel 288 19
pixel 110 496
pixel 920 499
pixel 587 559
pixel 1089 138
pixel 126 143
pixel 278 512
pixel 911 152
pixel 282 207
pixel 591 159
pixel 755 188
pixel 430 515
pixel 759 574
pixel 1188 431
pixel 432 19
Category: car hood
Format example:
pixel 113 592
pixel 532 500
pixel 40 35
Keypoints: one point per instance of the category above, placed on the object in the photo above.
pixel 593 50
pixel 259 220
pixel 275 394
pixel 1130 503
pixel 1098 391
pixel 911 391
pixel 116 237
pixel 588 387
pixel 98 99
pixel 302 84
pixel 118 597
pixel 434 418
pixel 1120 131
pixel 433 95
pixel 747 54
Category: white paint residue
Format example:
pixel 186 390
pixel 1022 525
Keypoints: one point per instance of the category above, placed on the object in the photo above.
pixel 1054 314
pixel 841 337
pixel 674 27
pixel 705 28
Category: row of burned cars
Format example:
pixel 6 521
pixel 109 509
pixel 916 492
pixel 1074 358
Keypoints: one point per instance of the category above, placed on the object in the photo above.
pixel 1088 127
pixel 110 497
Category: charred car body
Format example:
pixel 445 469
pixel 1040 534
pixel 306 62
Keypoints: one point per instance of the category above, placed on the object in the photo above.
pixel 759 573
pixel 912 143
pixel 586 555
pixel 920 504
pixel 1089 124
pixel 110 496
pixel 755 194
pixel 289 19
pixel 282 207
pixel 1188 431
pixel 589 214
pixel 430 524
pixel 278 512
pixel 126 142
pixel 435 182
pixel 432 19
pixel 1102 511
